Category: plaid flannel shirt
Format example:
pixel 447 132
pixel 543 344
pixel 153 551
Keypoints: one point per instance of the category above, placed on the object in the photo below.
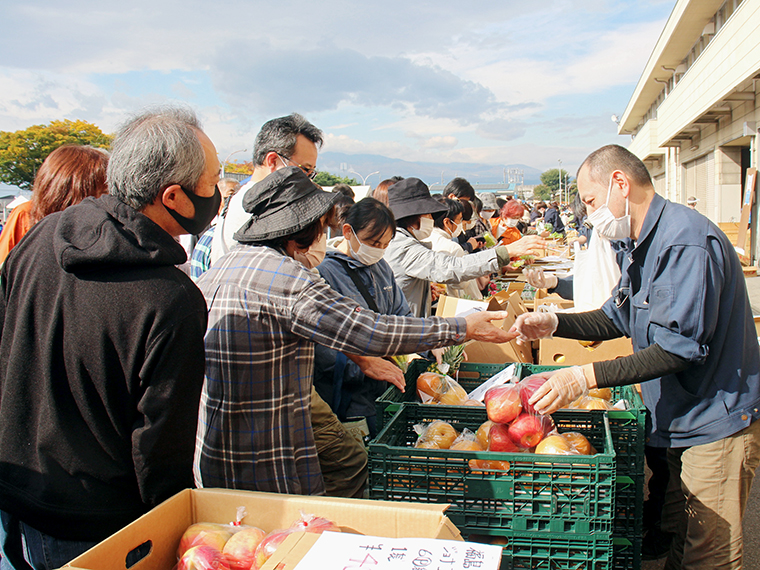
pixel 266 311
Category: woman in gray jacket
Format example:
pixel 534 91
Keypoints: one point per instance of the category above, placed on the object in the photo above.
pixel 415 265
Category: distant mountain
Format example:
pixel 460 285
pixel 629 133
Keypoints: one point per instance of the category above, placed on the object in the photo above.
pixel 340 163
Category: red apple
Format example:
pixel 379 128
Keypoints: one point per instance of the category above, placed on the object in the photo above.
pixel 529 429
pixel 240 549
pixel 209 534
pixel 499 440
pixel 202 558
pixel 503 403
pixel 528 387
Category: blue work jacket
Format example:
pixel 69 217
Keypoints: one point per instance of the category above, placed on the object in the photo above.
pixel 682 287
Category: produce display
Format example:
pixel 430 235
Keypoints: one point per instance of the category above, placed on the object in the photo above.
pixel 212 546
pixel 435 388
pixel 510 428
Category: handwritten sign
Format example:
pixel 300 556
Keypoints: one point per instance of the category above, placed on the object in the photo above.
pixel 342 551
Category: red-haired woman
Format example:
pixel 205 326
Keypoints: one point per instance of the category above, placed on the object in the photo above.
pixel 504 228
pixel 69 174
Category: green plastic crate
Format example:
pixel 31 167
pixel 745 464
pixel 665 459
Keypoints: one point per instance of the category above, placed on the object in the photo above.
pixel 553 551
pixel 628 429
pixel 538 493
pixel 469 376
pixel 626 553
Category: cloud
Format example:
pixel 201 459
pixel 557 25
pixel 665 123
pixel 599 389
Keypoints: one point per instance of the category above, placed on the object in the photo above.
pixel 436 143
pixel 502 129
pixel 319 79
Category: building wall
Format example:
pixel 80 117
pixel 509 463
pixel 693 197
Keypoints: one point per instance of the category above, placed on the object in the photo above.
pixel 692 137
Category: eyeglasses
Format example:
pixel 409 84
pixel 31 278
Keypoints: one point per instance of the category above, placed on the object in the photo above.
pixel 310 172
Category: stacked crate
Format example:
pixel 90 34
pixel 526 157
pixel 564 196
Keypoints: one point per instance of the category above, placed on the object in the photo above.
pixel 548 511
pixel 627 429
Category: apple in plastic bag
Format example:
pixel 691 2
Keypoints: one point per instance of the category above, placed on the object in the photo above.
pixel 529 429
pixel 499 439
pixel 240 549
pixel 202 557
pixel 199 534
pixel 528 387
pixel 555 445
pixel 268 545
pixel 503 403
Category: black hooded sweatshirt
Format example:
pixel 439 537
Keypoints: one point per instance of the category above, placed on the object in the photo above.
pixel 101 370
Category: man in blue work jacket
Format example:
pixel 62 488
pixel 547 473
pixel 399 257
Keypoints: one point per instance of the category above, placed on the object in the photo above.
pixel 683 301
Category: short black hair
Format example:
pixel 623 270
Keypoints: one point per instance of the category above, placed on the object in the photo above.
pixel 280 135
pixel 604 161
pixel 371 215
pixel 453 209
pixel 460 188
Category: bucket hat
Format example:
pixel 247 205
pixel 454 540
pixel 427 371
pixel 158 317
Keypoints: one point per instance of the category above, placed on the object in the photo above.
pixel 282 204
pixel 411 197
pixel 489 201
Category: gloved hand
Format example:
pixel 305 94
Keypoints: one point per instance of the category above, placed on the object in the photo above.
pixel 562 389
pixel 532 326
pixel 538 279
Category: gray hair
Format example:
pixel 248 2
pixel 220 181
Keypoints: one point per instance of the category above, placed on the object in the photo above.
pixel 604 161
pixel 155 149
pixel 279 135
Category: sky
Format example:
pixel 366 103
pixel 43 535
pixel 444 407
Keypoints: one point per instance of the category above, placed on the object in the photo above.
pixel 500 83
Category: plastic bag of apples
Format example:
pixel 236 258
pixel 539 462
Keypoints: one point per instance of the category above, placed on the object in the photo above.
pixel 234 546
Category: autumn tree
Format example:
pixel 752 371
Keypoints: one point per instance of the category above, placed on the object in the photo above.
pixel 23 152
pixel 327 179
pixel 239 167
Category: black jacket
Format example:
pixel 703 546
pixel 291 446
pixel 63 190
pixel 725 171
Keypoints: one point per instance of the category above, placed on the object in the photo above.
pixel 101 369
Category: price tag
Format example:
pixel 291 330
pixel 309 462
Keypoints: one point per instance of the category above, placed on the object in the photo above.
pixel 343 551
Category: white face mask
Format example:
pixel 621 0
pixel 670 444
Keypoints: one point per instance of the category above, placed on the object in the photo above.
pixel 426 228
pixel 512 222
pixel 314 255
pixel 605 222
pixel 487 214
pixel 457 230
pixel 365 254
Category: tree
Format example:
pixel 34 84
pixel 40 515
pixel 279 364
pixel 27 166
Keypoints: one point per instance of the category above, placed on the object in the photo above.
pixel 542 192
pixel 327 179
pixel 23 152
pixel 550 180
pixel 239 167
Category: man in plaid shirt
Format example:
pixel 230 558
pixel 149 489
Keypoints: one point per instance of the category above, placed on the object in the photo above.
pixel 266 311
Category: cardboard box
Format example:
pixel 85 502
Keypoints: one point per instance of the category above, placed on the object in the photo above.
pixel 164 525
pixel 485 352
pixel 545 298
pixel 569 352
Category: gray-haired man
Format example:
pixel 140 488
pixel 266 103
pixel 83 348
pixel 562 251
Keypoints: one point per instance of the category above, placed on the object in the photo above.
pixel 101 348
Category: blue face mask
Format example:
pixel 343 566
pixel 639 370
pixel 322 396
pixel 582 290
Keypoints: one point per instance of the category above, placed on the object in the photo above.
pixel 205 210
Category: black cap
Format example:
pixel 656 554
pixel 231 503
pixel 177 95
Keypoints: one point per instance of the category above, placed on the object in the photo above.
pixel 283 204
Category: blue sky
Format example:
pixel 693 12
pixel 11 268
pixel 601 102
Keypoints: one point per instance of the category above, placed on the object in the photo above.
pixel 507 82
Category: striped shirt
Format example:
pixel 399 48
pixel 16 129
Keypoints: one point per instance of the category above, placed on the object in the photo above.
pixel 266 312
pixel 200 260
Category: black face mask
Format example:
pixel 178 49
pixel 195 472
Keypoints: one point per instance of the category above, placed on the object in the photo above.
pixel 205 210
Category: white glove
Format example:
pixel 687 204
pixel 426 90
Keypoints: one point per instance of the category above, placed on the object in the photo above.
pixel 532 326
pixel 538 279
pixel 562 389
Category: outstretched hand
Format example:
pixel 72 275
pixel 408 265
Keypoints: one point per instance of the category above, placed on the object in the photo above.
pixel 479 327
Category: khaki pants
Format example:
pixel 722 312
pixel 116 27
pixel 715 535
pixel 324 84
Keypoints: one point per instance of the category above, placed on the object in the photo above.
pixel 707 494
pixel 342 458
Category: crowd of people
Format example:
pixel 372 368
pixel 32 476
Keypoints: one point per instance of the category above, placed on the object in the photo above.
pixel 130 370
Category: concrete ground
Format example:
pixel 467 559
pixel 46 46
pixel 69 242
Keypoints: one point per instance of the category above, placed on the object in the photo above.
pixel 752 514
